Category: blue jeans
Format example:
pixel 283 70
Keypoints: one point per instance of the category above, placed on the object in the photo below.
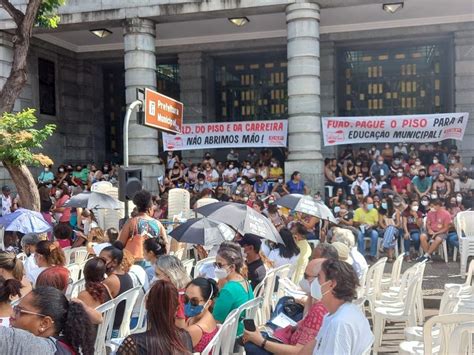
pixel 453 240
pixel 415 238
pixel 374 236
pixel 254 349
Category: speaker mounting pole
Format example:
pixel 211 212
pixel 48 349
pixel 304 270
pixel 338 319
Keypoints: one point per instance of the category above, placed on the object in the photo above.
pixel 126 123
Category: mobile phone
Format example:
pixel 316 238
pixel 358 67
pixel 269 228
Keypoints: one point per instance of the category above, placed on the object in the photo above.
pixel 249 325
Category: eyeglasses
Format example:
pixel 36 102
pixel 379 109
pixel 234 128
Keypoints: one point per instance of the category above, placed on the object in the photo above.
pixel 219 265
pixel 194 301
pixel 17 310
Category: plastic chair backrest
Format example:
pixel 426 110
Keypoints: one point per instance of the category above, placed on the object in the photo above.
pixel 410 298
pixel 129 297
pixel 74 271
pixel 202 262
pixel 448 323
pixel 250 308
pixel 78 255
pixel 107 311
pixel 188 265
pixel 215 346
pixel 267 293
pixel 461 339
pixel 67 253
pixel 470 273
pixel 396 270
pixel 178 202
pixel 141 323
pixel 464 223
pixel 77 287
pixel 282 272
pixel 374 277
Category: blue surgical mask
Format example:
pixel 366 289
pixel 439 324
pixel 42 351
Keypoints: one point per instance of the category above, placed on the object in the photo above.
pixel 192 311
pixel 384 205
pixel 370 206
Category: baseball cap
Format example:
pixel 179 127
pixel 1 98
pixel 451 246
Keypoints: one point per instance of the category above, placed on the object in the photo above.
pixel 251 239
pixel 5 188
pixel 343 252
pixel 30 239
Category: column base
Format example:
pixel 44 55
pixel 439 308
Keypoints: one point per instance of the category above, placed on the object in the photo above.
pixel 312 173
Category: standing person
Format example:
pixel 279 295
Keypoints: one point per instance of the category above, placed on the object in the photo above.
pixel 235 290
pixel 46 319
pixel 438 222
pixel 345 328
pixel 366 219
pixel 256 268
pixel 47 254
pixel 200 324
pixel 162 335
pixel 170 268
pixel 117 280
pixel 8 203
pixel 296 185
pixel 412 224
pixel 45 205
pixel 141 227
pixel 62 214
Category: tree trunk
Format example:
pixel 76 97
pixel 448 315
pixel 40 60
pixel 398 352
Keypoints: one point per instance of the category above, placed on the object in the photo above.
pixel 25 185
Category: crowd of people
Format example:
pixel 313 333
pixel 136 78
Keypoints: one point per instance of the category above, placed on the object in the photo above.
pixel 398 195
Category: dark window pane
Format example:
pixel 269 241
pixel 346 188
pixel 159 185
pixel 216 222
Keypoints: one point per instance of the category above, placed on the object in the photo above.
pixel 394 80
pixel 47 87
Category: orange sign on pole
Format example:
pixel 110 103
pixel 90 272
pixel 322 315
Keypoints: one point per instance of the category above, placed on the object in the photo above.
pixel 163 112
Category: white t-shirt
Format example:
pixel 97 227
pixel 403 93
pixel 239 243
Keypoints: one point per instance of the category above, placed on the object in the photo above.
pixel 278 260
pixel 30 264
pixel 360 264
pixel 345 332
pixel 4 321
pixel 33 274
pixel 99 247
pixel 139 278
pixel 7 203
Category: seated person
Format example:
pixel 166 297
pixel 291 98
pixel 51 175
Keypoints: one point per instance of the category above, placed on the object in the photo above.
pixel 255 266
pixel 292 339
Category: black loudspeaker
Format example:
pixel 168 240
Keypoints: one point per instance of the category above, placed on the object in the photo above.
pixel 130 182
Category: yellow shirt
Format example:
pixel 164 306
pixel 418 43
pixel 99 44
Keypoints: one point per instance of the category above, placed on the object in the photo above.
pixel 302 261
pixel 275 173
pixel 371 217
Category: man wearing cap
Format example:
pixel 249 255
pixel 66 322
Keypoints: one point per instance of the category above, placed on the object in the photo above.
pixel 256 269
pixel 8 204
pixel 28 244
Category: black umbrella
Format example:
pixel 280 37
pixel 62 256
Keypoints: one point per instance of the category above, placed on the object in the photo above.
pixel 202 231
pixel 241 217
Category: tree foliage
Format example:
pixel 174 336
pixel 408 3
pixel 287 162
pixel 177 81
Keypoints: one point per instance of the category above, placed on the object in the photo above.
pixel 47 13
pixel 19 140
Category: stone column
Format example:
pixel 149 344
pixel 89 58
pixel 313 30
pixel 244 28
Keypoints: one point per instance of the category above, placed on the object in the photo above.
pixel 193 72
pixel 464 88
pixel 140 72
pixel 304 104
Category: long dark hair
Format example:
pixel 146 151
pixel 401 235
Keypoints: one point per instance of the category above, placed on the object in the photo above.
pixel 163 334
pixel 70 318
pixel 9 288
pixel 289 249
pixel 208 287
pixel 94 272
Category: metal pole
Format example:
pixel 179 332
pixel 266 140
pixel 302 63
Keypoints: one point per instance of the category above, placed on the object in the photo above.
pixel 126 123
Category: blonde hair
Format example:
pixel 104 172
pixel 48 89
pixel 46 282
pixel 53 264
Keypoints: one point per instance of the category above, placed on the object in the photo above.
pixel 11 263
pixel 172 267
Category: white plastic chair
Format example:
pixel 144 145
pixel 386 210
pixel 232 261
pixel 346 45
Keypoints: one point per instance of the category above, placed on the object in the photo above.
pixel 467 283
pixel 215 346
pixel 373 282
pixel 250 308
pixel 141 322
pixel 461 339
pixel 406 312
pixel 79 255
pixel 188 265
pixel 22 257
pixel 67 253
pixel 464 224
pixel 74 271
pixel 394 279
pixel 265 290
pixel 201 263
pixel 74 289
pixel 107 311
pixel 448 323
pixel 281 272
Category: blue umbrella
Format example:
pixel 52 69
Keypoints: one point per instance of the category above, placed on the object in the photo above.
pixel 25 221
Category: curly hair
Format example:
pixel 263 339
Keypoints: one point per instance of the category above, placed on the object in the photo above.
pixel 70 319
pixel 345 277
pixel 9 288
pixel 142 200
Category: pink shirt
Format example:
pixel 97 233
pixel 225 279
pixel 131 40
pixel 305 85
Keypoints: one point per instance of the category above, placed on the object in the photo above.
pixel 66 214
pixel 438 220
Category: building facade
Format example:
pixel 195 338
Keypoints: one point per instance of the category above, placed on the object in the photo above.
pixel 298 60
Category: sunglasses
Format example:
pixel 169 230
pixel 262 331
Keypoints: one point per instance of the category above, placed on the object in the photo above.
pixel 17 310
pixel 193 301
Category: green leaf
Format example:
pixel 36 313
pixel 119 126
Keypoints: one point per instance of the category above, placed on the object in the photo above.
pixel 47 14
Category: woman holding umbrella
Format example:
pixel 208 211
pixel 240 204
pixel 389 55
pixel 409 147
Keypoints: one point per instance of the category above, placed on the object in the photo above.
pixel 141 227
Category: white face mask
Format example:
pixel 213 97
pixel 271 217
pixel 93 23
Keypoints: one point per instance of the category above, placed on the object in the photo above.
pixel 280 180
pixel 337 209
pixel 435 161
pixel 399 174
pixel 316 289
pixel 220 273
pixel 305 286
pixel 58 194
pixel 247 167
pixel 231 167
pixel 46 169
pixel 434 197
pixel 425 203
pixel 414 208
pixel 459 198
pixel 418 163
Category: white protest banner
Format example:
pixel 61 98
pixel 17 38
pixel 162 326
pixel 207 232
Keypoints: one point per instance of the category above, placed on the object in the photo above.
pixel 228 135
pixel 387 129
